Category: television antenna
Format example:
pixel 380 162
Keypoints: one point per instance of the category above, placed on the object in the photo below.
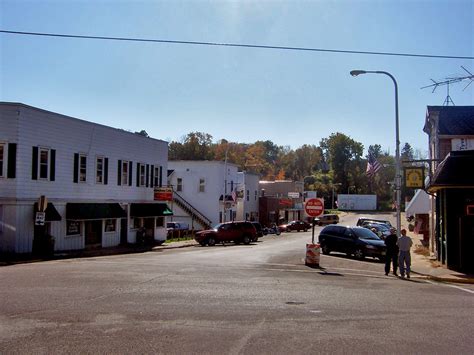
pixel 451 80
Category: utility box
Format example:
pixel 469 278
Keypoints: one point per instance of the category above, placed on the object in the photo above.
pixel 357 202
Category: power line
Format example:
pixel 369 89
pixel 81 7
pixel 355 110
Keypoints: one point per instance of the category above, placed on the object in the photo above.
pixel 217 44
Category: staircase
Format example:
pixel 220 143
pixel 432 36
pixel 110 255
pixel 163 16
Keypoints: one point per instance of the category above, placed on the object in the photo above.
pixel 192 211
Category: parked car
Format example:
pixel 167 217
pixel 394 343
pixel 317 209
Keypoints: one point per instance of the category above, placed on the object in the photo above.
pixel 357 241
pixel 237 231
pixel 327 219
pixel 363 220
pixel 295 226
pixel 381 229
pixel 260 230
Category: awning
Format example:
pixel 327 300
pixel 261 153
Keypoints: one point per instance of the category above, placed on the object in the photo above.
pixel 81 211
pixel 52 213
pixel 453 172
pixel 419 204
pixel 150 210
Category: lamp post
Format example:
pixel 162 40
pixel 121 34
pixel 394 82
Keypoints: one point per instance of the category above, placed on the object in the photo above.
pixel 397 142
pixel 336 184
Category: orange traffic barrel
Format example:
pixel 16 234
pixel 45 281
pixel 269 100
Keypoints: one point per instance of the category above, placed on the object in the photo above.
pixel 313 252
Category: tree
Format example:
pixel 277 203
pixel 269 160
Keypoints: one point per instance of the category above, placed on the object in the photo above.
pixel 194 146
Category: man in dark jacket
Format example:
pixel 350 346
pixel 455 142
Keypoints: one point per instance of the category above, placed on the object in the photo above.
pixel 392 252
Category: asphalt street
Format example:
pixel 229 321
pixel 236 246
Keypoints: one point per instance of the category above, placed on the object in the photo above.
pixel 231 299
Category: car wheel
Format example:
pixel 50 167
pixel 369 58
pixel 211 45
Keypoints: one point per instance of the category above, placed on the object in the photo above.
pixel 359 254
pixel 211 241
pixel 203 243
pixel 277 232
pixel 246 239
pixel 305 230
pixel 325 250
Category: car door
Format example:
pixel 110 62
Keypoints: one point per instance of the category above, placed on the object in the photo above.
pixel 348 241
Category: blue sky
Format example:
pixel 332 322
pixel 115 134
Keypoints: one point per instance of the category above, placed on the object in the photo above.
pixel 243 95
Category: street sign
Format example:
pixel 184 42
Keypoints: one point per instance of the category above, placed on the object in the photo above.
pixel 40 218
pixel 314 207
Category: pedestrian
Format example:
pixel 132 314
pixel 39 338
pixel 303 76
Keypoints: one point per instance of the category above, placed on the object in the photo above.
pixel 392 252
pixel 404 258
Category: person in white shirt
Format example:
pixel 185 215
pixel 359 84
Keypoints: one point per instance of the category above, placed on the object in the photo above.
pixel 404 258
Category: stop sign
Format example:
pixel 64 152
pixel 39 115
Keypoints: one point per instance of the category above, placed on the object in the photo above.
pixel 314 207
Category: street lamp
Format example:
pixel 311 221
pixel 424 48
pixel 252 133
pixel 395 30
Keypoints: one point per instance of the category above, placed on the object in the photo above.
pixel 397 142
pixel 338 184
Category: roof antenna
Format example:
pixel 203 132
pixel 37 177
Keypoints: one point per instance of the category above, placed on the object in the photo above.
pixel 451 80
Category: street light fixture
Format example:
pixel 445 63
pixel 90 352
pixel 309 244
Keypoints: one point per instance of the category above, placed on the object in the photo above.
pixel 336 184
pixel 398 177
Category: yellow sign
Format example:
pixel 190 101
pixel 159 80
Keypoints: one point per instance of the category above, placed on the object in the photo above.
pixel 414 177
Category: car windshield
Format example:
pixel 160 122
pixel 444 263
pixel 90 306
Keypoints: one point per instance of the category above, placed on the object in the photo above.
pixel 216 227
pixel 363 233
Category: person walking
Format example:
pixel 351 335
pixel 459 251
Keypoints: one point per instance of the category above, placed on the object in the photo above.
pixel 392 252
pixel 404 258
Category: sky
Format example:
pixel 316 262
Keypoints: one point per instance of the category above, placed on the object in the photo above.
pixel 240 94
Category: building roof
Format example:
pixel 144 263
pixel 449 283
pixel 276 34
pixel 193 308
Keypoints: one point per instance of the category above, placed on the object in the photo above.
pixel 453 171
pixel 452 120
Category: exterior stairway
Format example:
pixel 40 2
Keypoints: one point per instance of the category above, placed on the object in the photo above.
pixel 197 216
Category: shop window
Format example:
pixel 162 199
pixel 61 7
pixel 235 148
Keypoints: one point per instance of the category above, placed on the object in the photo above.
pixel 110 225
pixel 137 223
pixel 160 222
pixel 73 227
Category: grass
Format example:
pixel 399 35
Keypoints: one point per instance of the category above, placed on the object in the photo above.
pixel 180 239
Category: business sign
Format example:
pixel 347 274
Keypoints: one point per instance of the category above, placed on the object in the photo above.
pixel 293 194
pixel 40 218
pixel 163 194
pixel 314 207
pixel 415 177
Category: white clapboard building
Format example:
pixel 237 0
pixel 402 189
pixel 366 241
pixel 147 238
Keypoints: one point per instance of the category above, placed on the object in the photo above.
pixel 98 182
pixel 209 192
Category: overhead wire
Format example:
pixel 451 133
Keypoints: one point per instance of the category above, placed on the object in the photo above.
pixel 238 45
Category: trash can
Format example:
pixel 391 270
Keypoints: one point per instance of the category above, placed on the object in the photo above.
pixel 313 252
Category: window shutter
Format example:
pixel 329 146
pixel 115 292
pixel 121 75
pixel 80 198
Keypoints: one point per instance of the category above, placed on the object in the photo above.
pixel 119 173
pixel 161 177
pixel 34 164
pixel 52 167
pixel 11 167
pixel 130 170
pixel 76 168
pixel 152 174
pixel 147 174
pixel 138 174
pixel 106 171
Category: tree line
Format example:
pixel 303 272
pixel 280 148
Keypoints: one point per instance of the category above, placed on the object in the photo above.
pixel 336 163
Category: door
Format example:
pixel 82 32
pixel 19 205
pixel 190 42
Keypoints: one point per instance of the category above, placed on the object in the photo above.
pixel 93 233
pixel 149 224
pixel 466 244
pixel 123 231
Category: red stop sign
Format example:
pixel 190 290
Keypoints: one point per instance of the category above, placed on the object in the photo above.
pixel 314 207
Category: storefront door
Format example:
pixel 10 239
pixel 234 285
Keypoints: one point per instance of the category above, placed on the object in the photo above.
pixel 93 233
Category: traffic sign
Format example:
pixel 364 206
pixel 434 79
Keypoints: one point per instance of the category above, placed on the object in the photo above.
pixel 314 207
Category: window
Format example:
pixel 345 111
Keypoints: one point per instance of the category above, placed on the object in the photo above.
pixel 82 168
pixel 110 225
pixel 73 227
pixel 124 172
pixel 179 184
pixel 137 223
pixel 160 221
pixel 43 163
pixel 248 195
pixel 2 159
pixel 255 195
pixel 202 185
pixel 156 176
pixel 99 170
pixel 142 172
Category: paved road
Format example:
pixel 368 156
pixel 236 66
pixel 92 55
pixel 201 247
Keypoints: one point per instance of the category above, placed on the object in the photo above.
pixel 228 299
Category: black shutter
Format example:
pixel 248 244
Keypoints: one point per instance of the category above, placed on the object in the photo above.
pixel 138 174
pixel 76 168
pixel 106 171
pixel 34 164
pixel 52 167
pixel 147 174
pixel 152 175
pixel 130 169
pixel 161 177
pixel 11 167
pixel 119 173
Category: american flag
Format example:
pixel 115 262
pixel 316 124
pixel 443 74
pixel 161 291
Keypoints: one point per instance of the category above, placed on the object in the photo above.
pixel 234 196
pixel 373 166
